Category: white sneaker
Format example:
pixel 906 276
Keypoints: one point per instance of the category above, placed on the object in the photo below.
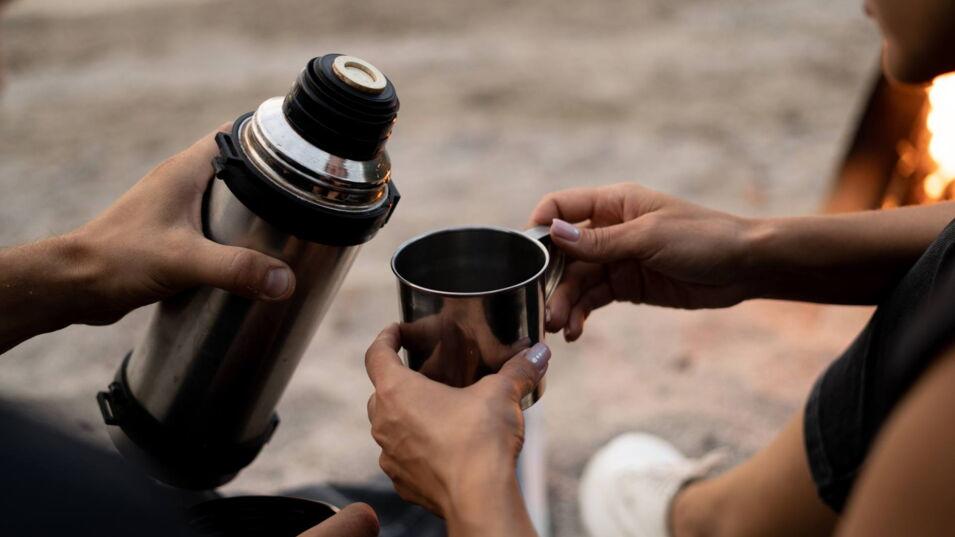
pixel 627 486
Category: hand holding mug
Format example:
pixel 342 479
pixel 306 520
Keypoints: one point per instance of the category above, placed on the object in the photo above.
pixel 452 349
pixel 632 244
pixel 453 450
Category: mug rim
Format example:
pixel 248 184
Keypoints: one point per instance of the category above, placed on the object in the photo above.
pixel 401 248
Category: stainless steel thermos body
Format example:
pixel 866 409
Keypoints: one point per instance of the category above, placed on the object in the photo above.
pixel 305 179
pixel 473 297
pixel 241 352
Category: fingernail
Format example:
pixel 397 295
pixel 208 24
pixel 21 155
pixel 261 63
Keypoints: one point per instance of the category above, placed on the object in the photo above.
pixel 564 230
pixel 538 355
pixel 276 282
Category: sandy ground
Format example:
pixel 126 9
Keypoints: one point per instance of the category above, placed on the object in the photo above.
pixel 741 105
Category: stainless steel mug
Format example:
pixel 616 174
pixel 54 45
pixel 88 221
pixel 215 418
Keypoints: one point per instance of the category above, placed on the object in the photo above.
pixel 472 297
pixel 305 179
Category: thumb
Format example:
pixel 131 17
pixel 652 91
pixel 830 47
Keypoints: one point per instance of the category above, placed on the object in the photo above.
pixel 597 245
pixel 522 373
pixel 242 271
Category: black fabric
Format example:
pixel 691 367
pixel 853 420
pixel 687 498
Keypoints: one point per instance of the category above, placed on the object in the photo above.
pixel 852 400
pixel 54 485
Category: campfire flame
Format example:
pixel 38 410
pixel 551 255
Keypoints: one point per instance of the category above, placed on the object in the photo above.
pixel 940 124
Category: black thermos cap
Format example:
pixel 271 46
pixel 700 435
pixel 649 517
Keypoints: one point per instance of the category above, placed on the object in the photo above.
pixel 346 107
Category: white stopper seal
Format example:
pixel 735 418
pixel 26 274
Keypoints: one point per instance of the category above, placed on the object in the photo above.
pixel 359 74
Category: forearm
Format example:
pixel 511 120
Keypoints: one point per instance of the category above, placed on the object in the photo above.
pixel 848 258
pixel 490 503
pixel 41 285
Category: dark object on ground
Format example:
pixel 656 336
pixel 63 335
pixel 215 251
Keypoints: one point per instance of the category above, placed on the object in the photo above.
pixel 55 485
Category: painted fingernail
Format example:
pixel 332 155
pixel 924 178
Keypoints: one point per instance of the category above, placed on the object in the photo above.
pixel 538 355
pixel 276 282
pixel 564 230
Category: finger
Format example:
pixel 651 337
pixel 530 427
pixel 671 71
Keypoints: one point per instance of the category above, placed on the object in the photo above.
pixel 578 278
pixel 598 244
pixel 574 205
pixel 242 271
pixel 381 358
pixel 519 345
pixel 521 374
pixel 355 520
pixel 597 297
pixel 194 164
pixel 421 335
pixel 201 154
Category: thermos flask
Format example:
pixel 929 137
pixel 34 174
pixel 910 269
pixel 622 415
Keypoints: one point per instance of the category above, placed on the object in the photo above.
pixel 306 179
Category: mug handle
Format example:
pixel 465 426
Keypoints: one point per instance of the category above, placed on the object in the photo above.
pixel 555 269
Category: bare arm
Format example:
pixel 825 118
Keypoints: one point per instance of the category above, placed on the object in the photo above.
pixel 491 504
pixel 145 247
pixel 848 258
pixel 41 286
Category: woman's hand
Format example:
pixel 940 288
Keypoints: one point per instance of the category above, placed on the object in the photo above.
pixel 454 450
pixel 633 244
pixel 145 247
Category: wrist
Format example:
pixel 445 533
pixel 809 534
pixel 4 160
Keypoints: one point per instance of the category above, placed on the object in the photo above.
pixel 756 240
pixel 81 268
pixel 66 277
pixel 37 281
pixel 485 499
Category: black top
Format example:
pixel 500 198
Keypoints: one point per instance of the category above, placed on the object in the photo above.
pixel 913 325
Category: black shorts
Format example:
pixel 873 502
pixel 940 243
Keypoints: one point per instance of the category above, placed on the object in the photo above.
pixel 854 397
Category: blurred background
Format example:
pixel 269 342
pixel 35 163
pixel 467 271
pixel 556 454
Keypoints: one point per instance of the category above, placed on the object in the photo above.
pixel 742 105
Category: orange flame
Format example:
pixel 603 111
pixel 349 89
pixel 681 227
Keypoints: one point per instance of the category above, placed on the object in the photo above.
pixel 941 128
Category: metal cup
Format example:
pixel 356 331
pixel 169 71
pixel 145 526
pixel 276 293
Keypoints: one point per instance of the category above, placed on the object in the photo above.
pixel 473 297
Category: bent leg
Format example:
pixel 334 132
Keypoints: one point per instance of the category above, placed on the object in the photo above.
pixel 770 494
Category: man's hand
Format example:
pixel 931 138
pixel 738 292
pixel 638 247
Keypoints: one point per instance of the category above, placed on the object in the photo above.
pixel 145 247
pixel 149 244
pixel 633 244
pixel 454 450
